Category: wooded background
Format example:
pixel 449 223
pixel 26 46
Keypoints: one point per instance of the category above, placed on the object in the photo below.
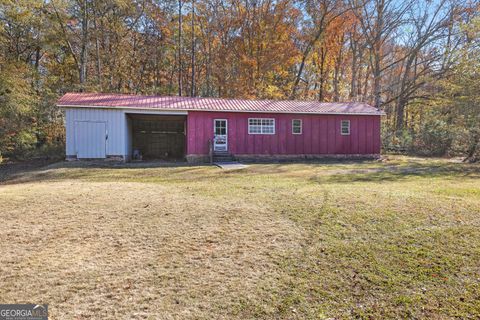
pixel 419 61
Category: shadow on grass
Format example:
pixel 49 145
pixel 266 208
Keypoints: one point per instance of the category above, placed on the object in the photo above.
pixel 397 173
pixel 12 170
pixel 101 164
pixel 285 166
pixel 100 171
pixel 324 171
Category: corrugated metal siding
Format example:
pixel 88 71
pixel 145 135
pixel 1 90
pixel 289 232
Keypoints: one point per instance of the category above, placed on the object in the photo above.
pixel 321 134
pixel 115 123
pixel 128 138
pixel 94 134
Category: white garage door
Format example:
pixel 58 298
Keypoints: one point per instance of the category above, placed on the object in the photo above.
pixel 90 139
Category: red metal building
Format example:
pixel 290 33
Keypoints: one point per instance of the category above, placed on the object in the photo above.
pixel 114 125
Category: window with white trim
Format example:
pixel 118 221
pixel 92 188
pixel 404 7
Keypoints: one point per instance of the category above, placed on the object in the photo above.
pixel 345 127
pixel 296 126
pixel 261 126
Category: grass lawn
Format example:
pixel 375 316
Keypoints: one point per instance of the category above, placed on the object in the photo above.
pixel 392 239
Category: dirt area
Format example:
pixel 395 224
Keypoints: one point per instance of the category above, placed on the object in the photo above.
pixel 10 169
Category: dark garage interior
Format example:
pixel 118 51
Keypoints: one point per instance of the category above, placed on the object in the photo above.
pixel 158 136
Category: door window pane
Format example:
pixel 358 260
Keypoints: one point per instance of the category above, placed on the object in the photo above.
pixel 220 127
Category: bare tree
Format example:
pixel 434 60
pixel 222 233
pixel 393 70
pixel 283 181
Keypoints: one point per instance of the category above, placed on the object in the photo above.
pixel 357 47
pixel 421 57
pixel 379 19
pixel 81 63
pixel 323 12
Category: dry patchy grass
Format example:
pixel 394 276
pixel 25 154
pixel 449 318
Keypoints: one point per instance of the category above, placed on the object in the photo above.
pixel 394 239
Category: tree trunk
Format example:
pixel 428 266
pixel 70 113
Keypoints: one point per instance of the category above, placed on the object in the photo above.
pixel 337 71
pixel 321 94
pixel 192 89
pixel 402 95
pixel 209 67
pixel 97 50
pixel 377 77
pixel 377 54
pixel 84 46
pixel 353 79
pixel 180 67
pixel 473 151
pixel 365 82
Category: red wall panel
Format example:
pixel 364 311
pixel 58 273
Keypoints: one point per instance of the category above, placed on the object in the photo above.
pixel 320 134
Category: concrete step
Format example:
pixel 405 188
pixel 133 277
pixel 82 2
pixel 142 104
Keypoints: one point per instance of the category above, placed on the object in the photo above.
pixel 223 157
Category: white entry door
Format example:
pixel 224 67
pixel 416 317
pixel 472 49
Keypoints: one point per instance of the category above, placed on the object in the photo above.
pixel 220 131
pixel 90 139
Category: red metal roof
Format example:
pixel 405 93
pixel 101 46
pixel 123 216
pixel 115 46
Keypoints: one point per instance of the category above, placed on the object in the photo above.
pixel 109 100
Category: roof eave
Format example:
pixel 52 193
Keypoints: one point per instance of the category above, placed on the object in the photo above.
pixel 379 113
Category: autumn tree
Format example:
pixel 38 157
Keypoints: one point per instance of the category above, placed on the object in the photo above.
pixel 408 58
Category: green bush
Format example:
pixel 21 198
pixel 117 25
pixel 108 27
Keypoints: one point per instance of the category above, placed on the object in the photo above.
pixel 434 138
pixel 23 144
pixel 393 143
